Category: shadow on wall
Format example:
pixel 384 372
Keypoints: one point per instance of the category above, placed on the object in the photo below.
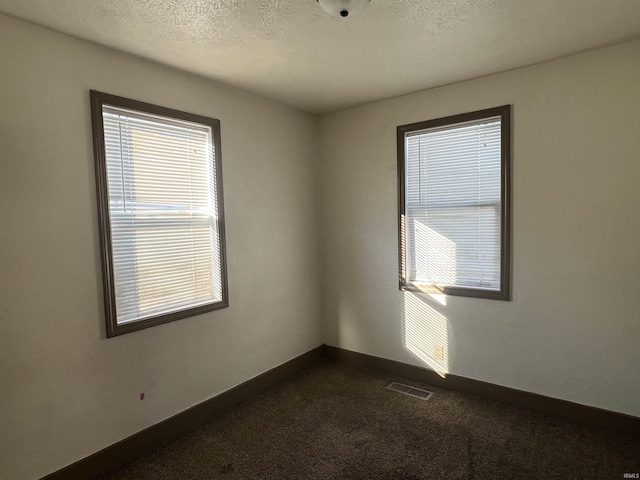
pixel 425 329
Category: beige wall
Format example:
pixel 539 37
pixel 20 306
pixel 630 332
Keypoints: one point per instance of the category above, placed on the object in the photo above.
pixel 573 326
pixel 65 390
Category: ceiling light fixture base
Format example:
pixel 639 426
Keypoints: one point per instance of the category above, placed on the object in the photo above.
pixel 343 8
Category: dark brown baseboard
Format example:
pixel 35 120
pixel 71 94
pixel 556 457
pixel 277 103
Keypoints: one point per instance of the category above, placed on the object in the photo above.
pixel 164 431
pixel 595 417
pixel 160 433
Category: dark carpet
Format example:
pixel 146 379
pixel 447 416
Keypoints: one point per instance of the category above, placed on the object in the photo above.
pixel 336 421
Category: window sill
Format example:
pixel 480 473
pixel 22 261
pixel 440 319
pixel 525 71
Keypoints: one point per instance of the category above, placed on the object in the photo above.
pixel 455 291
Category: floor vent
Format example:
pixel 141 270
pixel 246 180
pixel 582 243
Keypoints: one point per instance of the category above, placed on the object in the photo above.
pixel 409 390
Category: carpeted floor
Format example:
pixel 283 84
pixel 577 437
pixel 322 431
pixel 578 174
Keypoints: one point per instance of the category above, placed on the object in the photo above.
pixel 336 421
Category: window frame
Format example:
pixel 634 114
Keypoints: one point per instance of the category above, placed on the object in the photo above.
pixel 98 100
pixel 504 112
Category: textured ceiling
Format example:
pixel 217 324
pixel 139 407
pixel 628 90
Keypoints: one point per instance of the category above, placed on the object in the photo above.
pixel 292 52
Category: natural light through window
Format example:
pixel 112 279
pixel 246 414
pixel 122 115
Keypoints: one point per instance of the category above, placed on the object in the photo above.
pixel 426 332
pixel 454 212
pixel 164 215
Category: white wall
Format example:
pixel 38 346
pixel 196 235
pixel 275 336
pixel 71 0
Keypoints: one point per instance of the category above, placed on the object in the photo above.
pixel 65 390
pixel 572 330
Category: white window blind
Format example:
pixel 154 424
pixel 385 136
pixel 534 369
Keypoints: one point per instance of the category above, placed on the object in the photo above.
pixel 163 214
pixel 453 201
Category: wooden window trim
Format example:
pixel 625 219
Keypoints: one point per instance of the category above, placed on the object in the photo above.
pixel 98 100
pixel 504 112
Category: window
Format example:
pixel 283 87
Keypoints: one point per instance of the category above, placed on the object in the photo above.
pixel 454 209
pixel 159 186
